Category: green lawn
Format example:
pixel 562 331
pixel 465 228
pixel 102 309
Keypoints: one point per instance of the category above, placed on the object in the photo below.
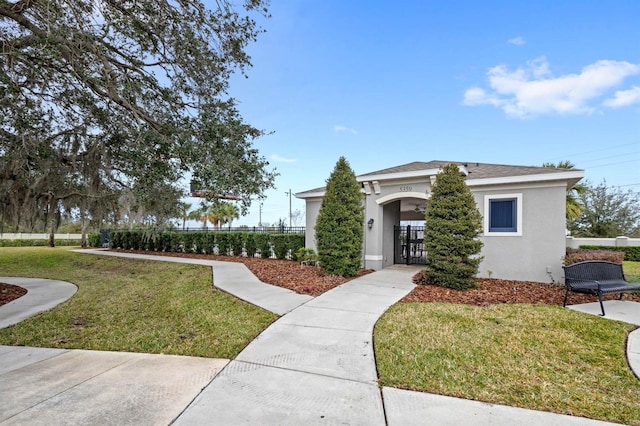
pixel 632 270
pixel 539 357
pixel 132 305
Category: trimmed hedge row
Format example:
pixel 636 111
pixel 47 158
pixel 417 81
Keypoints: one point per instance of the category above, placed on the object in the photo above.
pixel 581 255
pixel 631 253
pixel 37 243
pixel 249 244
pixel 94 239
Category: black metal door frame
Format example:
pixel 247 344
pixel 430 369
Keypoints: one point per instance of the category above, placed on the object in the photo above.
pixel 408 248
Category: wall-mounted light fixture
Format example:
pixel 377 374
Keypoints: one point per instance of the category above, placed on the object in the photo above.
pixel 370 223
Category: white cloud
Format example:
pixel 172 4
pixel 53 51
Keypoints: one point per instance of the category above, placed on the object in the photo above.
pixel 533 90
pixel 623 98
pixel 278 159
pixel 338 128
pixel 518 41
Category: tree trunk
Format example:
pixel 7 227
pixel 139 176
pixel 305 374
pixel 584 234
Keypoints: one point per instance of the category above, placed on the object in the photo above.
pixel 52 242
pixel 50 219
pixel 83 224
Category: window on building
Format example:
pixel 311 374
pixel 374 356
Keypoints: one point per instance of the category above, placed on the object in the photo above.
pixel 503 214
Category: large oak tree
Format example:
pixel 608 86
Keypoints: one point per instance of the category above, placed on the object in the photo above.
pixel 97 96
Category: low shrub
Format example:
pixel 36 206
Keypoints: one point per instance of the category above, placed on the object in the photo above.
pixel 188 239
pixel 250 244
pixel 264 245
pixel 236 241
pixel 581 255
pixel 295 242
pixel 115 239
pixel 280 246
pixel 631 253
pixel 306 255
pixel 223 242
pixel 211 243
pixel 94 239
pixel 38 243
pixel 283 246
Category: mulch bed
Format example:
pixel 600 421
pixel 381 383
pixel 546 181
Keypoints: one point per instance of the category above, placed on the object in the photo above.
pixel 494 291
pixel 9 292
pixel 282 273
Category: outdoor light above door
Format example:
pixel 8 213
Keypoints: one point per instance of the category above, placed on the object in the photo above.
pixel 370 223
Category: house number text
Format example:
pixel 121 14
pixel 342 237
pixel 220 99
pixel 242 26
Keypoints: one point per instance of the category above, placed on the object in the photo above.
pixel 406 188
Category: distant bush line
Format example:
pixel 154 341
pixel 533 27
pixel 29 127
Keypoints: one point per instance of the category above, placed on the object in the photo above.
pixel 247 244
pixel 610 254
pixel 630 253
pixel 40 243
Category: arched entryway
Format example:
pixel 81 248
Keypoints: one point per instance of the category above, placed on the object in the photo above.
pixel 404 226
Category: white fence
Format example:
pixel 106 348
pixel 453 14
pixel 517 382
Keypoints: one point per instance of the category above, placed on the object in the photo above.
pixel 43 236
pixel 575 243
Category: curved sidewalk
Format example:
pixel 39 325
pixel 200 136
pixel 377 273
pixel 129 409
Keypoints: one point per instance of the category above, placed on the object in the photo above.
pixel 315 365
pixel 42 295
pixel 231 277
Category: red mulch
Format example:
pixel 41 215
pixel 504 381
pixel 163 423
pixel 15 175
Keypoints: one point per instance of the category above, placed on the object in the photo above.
pixel 283 273
pixel 494 291
pixel 10 292
pixel 314 281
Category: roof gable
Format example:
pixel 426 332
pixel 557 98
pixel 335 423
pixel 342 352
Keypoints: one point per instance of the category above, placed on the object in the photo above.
pixel 476 170
pixel 477 174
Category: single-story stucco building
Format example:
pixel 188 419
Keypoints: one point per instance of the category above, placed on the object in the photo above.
pixel 523 209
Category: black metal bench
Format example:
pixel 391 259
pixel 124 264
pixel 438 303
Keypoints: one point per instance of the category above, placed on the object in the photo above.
pixel 596 277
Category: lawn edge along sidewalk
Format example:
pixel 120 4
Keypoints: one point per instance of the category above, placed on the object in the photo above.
pixel 231 277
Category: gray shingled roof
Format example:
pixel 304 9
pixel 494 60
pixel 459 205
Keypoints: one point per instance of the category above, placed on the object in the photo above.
pixel 476 170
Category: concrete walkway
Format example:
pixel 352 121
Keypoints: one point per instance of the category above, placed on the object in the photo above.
pixel 41 295
pixel 315 365
pixel 77 387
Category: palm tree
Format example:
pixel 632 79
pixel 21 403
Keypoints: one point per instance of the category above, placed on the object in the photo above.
pixel 201 214
pixel 183 210
pixel 215 215
pixel 229 212
pixel 223 212
pixel 574 207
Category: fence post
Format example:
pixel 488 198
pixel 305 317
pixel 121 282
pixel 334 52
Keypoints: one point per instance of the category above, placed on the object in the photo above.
pixel 622 241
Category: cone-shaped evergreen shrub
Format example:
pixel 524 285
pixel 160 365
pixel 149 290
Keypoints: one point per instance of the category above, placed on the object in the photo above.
pixel 451 237
pixel 339 227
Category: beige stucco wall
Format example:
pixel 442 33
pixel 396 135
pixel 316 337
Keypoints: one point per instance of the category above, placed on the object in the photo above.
pixel 312 209
pixel 537 254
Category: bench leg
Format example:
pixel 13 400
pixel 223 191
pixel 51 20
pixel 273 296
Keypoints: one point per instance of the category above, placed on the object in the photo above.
pixel 600 300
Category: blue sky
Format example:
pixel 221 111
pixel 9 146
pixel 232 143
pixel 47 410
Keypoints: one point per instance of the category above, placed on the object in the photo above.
pixel 388 83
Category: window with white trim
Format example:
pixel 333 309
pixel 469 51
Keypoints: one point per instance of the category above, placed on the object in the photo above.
pixel 503 214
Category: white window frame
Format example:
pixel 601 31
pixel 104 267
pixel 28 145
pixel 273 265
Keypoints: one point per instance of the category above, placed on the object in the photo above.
pixel 518 231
